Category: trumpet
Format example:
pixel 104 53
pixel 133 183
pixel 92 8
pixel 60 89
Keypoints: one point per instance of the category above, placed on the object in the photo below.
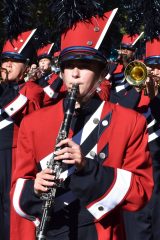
pixel 6 73
pixel 136 74
pixel 34 74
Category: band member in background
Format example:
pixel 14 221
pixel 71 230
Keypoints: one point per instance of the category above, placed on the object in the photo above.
pixel 139 98
pixel 109 165
pixel 17 99
pixel 152 61
pixel 119 85
pixel 146 221
pixel 55 67
pixel 44 57
pixel 48 79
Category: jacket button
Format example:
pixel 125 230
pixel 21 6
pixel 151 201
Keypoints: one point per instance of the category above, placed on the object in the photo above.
pixel 89 43
pixel 104 123
pixel 95 120
pixel 96 29
pixel 100 208
pixel 92 154
pixel 102 155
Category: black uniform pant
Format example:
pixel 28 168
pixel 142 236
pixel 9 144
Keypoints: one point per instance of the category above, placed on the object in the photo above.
pixel 144 224
pixel 87 232
pixel 5 181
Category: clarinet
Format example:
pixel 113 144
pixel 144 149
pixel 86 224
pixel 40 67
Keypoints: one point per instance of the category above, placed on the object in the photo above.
pixel 57 166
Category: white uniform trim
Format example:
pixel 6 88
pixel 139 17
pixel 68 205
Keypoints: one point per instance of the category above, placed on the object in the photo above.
pixel 16 197
pixel 90 125
pixel 63 175
pixel 154 135
pixel 105 28
pixel 148 114
pixel 67 173
pixel 108 76
pixel 50 48
pixel 27 40
pixel 60 202
pixel 119 88
pixel 115 195
pixel 88 128
pixel 49 91
pixel 152 123
pixel 43 161
pixel 137 38
pixel 17 104
pixel 4 123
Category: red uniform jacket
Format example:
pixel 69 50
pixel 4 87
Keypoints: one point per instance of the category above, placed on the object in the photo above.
pixel 16 101
pixel 118 173
pixel 52 84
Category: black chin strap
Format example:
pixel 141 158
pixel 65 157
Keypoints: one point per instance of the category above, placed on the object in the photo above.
pixel 91 92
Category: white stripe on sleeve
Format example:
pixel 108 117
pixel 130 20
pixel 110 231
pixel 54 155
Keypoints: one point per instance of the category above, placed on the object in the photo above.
pixel 16 197
pixel 115 195
pixel 17 104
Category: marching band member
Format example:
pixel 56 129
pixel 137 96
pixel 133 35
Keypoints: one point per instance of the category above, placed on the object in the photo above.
pixel 56 68
pixel 120 86
pixel 152 61
pixel 146 221
pixel 134 97
pixel 17 99
pixel 109 164
pixel 49 80
pixel 44 57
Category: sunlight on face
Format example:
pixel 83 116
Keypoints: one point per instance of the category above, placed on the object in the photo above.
pixel 84 73
pixel 156 70
pixel 45 64
pixel 14 68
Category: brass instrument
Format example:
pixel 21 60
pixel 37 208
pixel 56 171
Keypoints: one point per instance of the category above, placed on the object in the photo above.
pixel 34 74
pixel 136 73
pixel 6 72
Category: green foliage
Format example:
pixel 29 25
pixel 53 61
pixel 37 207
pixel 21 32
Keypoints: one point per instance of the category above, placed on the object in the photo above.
pixel 133 15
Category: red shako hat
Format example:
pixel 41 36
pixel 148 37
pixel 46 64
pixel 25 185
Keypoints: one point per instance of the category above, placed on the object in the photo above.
pixel 56 54
pixel 152 52
pixel 20 48
pixel 45 51
pixel 129 42
pixel 84 39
